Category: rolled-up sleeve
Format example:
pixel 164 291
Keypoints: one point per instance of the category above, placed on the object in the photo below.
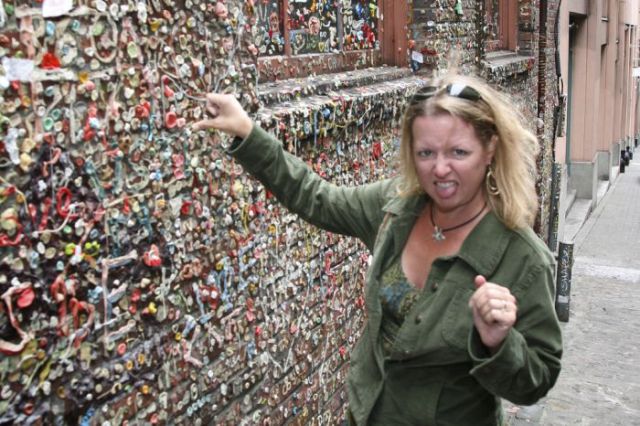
pixel 527 364
pixel 354 211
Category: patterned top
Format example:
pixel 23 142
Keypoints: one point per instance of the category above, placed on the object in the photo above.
pixel 397 296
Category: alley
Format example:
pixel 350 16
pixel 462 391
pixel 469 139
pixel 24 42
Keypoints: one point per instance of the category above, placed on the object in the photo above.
pixel 600 380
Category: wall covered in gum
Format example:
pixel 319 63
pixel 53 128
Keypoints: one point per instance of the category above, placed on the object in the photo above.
pixel 141 271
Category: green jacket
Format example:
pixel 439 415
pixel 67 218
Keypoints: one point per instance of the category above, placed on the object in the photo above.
pixel 440 372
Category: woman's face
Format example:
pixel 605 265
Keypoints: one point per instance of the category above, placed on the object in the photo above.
pixel 450 162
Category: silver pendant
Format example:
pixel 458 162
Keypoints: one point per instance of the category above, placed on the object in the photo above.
pixel 437 234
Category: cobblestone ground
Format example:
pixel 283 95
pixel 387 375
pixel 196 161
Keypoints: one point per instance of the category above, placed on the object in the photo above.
pixel 600 380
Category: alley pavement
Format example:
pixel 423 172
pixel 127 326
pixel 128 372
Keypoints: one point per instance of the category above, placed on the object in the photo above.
pixel 600 380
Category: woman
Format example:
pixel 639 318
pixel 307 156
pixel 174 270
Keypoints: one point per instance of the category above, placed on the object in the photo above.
pixel 459 294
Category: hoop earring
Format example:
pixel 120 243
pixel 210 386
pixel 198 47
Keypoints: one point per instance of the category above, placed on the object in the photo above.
pixel 492 184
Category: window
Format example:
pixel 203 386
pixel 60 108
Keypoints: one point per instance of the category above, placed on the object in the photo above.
pixel 501 25
pixel 316 26
pixel 270 40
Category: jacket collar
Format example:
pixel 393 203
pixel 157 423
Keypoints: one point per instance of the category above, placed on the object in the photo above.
pixel 405 205
pixel 482 249
pixel 404 211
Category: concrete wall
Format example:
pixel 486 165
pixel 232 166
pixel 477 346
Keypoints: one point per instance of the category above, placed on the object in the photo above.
pixel 615 154
pixel 584 179
pixel 603 165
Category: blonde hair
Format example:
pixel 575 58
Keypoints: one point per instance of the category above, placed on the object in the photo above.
pixel 493 117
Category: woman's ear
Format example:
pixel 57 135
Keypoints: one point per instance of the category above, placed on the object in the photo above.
pixel 491 148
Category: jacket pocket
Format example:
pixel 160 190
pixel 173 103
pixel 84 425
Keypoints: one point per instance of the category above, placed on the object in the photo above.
pixel 410 397
pixel 458 321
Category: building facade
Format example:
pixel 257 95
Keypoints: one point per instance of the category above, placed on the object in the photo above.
pixel 599 52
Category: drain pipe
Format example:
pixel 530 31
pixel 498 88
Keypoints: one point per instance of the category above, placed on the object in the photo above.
pixel 563 280
pixel 565 249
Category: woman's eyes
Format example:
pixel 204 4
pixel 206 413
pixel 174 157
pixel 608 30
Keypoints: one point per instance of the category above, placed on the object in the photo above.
pixel 456 152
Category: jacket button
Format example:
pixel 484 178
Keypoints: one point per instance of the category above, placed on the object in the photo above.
pixel 418 319
pixel 434 286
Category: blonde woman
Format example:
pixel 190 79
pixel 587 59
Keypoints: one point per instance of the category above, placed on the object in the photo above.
pixel 459 294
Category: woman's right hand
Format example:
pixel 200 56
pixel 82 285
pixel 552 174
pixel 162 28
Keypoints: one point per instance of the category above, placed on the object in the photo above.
pixel 495 312
pixel 226 115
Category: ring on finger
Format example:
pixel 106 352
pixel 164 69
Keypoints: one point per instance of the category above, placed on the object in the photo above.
pixel 505 306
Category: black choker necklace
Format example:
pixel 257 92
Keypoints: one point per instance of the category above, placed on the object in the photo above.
pixel 438 233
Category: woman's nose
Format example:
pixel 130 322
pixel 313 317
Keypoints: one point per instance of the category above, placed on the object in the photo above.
pixel 441 167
